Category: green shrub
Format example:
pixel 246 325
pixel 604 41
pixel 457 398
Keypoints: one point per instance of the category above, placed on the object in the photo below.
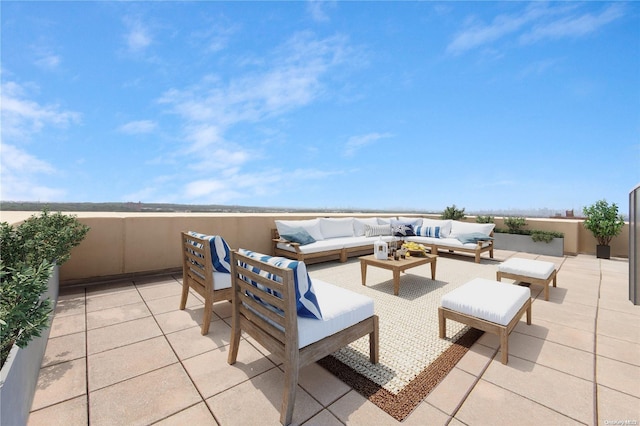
pixel 484 219
pixel 515 224
pixel 452 212
pixel 546 236
pixel 603 221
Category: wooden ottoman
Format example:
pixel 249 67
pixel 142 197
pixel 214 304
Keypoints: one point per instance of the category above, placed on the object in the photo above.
pixel 529 271
pixel 487 305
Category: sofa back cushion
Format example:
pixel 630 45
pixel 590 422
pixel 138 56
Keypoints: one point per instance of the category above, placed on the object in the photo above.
pixel 336 227
pixel 312 226
pixel 360 222
pixel 401 229
pixel 413 221
pixel 461 228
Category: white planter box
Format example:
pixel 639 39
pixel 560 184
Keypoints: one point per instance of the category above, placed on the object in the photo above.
pixel 19 375
pixel 524 243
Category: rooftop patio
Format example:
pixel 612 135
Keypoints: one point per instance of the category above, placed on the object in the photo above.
pixel 122 353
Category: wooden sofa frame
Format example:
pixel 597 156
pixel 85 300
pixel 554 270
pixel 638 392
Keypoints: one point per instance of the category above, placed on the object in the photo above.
pixel 197 273
pixel 476 251
pixel 277 331
pixel 322 256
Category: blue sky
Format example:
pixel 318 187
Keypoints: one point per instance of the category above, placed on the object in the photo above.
pixel 376 105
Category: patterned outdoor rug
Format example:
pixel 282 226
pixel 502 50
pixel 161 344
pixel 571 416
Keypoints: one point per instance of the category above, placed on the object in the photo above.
pixel 413 359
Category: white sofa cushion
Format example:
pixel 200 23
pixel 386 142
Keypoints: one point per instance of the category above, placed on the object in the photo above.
pixel 341 308
pixel 488 300
pixel 527 267
pixel 446 242
pixel 336 227
pixel 460 228
pixel 359 224
pixel 221 280
pixel 312 226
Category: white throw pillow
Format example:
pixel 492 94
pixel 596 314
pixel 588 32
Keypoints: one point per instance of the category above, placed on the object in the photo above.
pixel 359 224
pixel 336 227
pixel 312 226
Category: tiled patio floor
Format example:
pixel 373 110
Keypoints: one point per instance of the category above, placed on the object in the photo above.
pixel 123 354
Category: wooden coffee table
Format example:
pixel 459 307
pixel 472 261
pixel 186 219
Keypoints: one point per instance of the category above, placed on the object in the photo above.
pixel 397 266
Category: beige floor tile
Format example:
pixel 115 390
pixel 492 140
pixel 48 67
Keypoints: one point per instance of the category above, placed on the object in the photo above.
pixel 159 290
pixel 64 348
pixel 563 358
pixel 199 414
pixel 321 384
pixel 71 324
pixel 558 333
pixel 113 300
pixel 564 393
pixel 619 376
pixel 222 309
pixel 265 393
pixel 111 287
pixel 451 390
pixel 577 316
pixel 476 359
pixel 178 320
pixel 619 325
pixel 323 418
pixel 619 350
pixel 143 399
pixel 615 407
pixel 355 409
pixel 116 315
pixel 70 304
pixel 114 336
pixel 190 342
pixel 125 362
pixel 171 303
pixel 426 414
pixel 71 412
pixel 212 374
pixel 489 404
pixel 152 280
pixel 60 382
pixel 620 304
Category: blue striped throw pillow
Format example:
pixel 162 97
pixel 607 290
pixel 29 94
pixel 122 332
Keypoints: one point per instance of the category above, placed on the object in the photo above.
pixel 220 251
pixel 306 300
pixel 428 231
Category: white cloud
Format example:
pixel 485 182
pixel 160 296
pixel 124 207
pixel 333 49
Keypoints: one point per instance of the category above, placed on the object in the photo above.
pixel 138 127
pixel 22 117
pixel 137 37
pixel 537 22
pixel 48 61
pixel 355 143
pixel 318 9
pixel 19 176
pixel 573 26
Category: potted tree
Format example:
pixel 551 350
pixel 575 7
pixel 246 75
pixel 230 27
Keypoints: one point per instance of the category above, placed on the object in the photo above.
pixel 31 253
pixel 604 222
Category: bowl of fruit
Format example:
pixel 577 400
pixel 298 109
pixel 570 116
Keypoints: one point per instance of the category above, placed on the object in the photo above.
pixel 415 249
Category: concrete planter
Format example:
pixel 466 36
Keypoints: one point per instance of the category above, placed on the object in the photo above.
pixel 524 243
pixel 19 375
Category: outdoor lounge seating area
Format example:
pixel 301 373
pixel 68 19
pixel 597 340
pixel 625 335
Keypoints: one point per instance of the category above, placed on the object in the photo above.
pixel 322 239
pixel 123 352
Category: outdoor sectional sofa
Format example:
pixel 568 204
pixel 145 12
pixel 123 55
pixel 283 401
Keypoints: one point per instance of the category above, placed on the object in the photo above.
pixel 323 239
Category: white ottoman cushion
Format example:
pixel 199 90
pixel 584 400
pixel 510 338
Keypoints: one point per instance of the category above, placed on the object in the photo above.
pixel 488 300
pixel 528 268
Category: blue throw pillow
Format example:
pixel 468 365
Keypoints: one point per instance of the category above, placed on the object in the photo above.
pixel 428 231
pixel 220 251
pixel 306 300
pixel 473 237
pixel 298 235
